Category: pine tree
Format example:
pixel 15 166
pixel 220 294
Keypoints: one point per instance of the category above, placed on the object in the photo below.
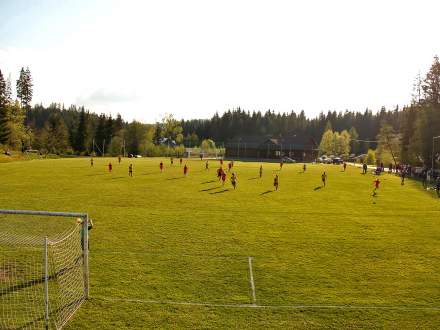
pixel 4 125
pixel 81 132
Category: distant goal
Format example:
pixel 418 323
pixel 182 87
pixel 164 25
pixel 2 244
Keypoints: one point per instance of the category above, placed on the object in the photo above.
pixel 44 275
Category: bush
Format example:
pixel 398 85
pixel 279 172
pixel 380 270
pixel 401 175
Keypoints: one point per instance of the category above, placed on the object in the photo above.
pixel 371 157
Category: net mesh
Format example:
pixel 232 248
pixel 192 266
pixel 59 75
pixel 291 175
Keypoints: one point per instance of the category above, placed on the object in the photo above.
pixel 22 271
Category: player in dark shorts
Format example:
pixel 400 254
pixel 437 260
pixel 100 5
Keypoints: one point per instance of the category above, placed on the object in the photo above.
pixel 185 170
pixel 324 178
pixel 119 159
pixel 402 177
pixel 181 160
pixel 161 166
pixel 234 180
pixel 304 168
pixel 281 164
pixel 345 166
pixel 130 170
pixel 91 162
pixel 261 171
pixel 219 173
pixel 223 177
pixel 172 161
pixel 276 182
pixel 364 168
pixel 110 167
pixel 206 165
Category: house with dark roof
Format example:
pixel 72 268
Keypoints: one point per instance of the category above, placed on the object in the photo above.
pixel 299 148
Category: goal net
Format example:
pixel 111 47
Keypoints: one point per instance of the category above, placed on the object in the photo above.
pixel 43 268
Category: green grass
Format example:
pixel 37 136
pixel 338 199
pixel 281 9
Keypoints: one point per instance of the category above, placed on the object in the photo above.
pixel 161 237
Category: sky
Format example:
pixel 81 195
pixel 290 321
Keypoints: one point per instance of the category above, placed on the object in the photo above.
pixel 145 59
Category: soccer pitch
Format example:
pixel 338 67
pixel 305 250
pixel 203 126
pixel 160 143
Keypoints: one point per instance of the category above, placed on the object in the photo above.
pixel 169 251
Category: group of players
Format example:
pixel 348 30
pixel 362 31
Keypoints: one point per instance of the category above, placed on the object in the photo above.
pixel 222 175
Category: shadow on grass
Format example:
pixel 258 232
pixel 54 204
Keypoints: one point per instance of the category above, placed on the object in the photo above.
pixel 266 192
pixel 207 182
pixel 177 178
pixel 117 177
pixel 317 188
pixel 208 189
pixel 96 174
pixel 219 192
pixel 254 178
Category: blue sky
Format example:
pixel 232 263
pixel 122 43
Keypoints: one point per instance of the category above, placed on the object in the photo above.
pixel 193 58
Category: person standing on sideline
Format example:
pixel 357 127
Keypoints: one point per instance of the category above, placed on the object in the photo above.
pixel 91 162
pixel 402 176
pixel 276 182
pixel 324 178
pixel 304 168
pixel 345 166
pixel 119 159
pixel 130 170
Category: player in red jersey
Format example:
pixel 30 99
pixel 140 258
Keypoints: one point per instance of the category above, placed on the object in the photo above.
pixel 185 170
pixel 161 166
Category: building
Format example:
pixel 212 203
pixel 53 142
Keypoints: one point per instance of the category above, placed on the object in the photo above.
pixel 299 148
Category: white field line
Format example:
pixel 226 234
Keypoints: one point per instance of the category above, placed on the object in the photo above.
pixel 251 280
pixel 189 303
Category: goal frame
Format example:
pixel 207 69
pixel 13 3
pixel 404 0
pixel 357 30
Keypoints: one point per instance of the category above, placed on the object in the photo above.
pixel 85 250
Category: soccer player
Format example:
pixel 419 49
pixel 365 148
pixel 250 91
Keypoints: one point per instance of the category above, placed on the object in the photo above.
pixel 172 161
pixel 229 167
pixel 304 168
pixel 234 180
pixel 161 166
pixel 276 182
pixel 119 159
pixel 110 167
pixel 206 165
pixel 261 171
pixel 345 166
pixel 402 182
pixel 221 161
pixel 181 160
pixel 376 186
pixel 364 168
pixel 223 177
pixel 130 170
pixel 91 162
pixel 437 187
pixel 281 164
pixel 185 170
pixel 324 178
pixel 219 173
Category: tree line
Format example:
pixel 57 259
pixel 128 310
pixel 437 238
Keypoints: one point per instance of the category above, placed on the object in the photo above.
pixel 403 134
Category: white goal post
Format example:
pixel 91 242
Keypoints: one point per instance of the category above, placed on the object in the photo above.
pixel 43 278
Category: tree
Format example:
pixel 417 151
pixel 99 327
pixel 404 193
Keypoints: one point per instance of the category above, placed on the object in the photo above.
pixel 17 131
pixel 389 145
pixel 353 137
pixel 58 137
pixel 342 143
pixel 371 157
pixel 4 127
pixel 81 132
pixel 171 129
pixel 327 143
pixel 431 84
pixel 208 144
pixel 24 88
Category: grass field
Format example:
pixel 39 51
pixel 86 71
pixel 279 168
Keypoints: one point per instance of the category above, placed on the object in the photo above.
pixel 169 251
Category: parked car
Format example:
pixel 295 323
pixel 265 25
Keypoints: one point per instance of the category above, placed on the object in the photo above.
pixel 337 160
pixel 288 160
